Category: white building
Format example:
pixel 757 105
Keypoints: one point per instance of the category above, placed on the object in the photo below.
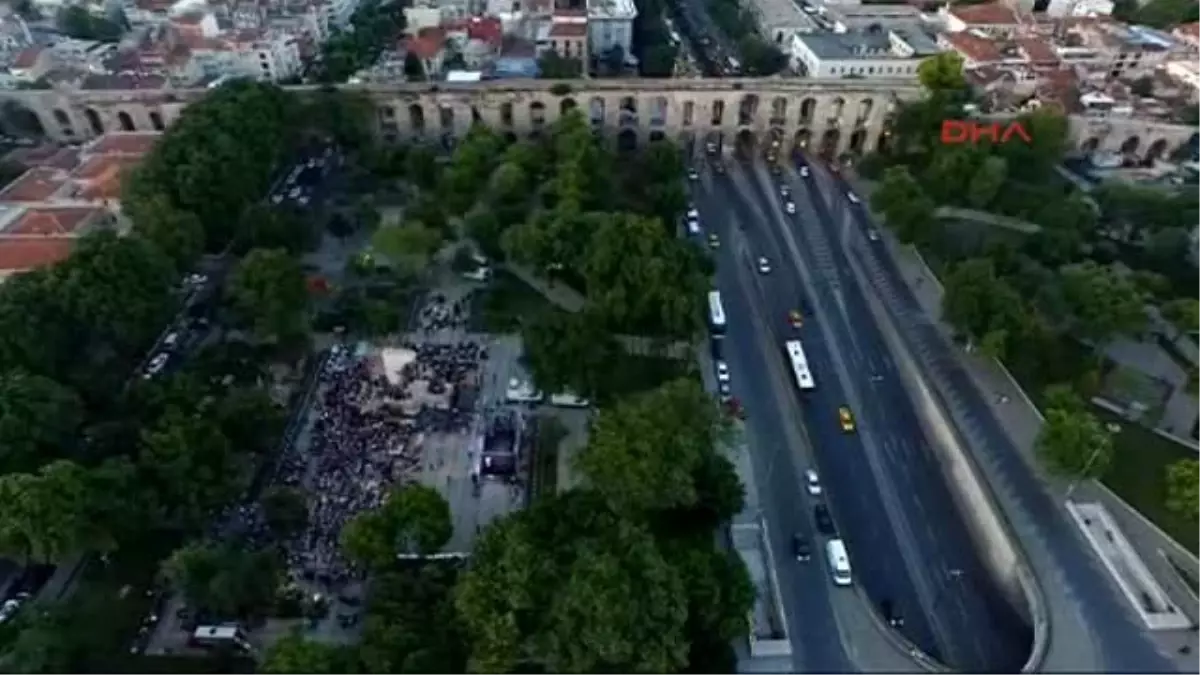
pixel 610 24
pixel 1186 73
pixel 868 54
pixel 778 20
pixel 1079 8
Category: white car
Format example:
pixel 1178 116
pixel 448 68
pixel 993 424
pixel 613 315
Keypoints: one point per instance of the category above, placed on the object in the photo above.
pixel 784 191
pixel 693 174
pixel 804 172
pixel 790 207
pixel 812 482
pixel 171 340
pixel 722 372
pixel 764 265
pixel 852 197
pixel 294 193
pixel 693 214
pixel 872 235
pixel 693 226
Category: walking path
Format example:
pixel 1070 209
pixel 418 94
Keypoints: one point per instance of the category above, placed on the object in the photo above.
pixel 1022 421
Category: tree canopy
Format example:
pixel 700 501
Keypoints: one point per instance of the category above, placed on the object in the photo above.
pixel 413 519
pixel 1183 488
pixel 1073 442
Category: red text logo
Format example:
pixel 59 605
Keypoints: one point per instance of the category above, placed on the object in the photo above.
pixel 956 132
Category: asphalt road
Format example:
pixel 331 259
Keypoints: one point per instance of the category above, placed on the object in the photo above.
pixel 760 384
pixel 907 544
pixel 1124 645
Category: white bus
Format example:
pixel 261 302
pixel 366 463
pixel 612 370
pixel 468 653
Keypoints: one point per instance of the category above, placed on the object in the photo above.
pixel 716 313
pixel 800 370
pixel 839 562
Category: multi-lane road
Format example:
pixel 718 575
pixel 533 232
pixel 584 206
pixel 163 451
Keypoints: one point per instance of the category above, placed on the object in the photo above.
pixel 1122 645
pixel 909 549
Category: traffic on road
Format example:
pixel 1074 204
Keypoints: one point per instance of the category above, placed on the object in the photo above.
pixel 803 358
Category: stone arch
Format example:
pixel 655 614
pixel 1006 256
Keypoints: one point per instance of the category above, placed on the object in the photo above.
pixel 476 116
pixel 566 105
pixel 658 111
pixel 858 142
pixel 125 121
pixel 657 136
pixel 64 121
pixel 802 139
pixel 1130 145
pixel 744 144
pixel 506 114
pixel 775 140
pixel 718 113
pixel 94 121
pixel 596 110
pixel 627 140
pixel 1157 150
pixel 1090 145
pixel 627 112
pixel 808 110
pixel 865 107
pixel 416 117
pixel 687 143
pixel 156 121
pixel 836 107
pixel 829 143
pixel 22 119
pixel 779 106
pixel 537 113
pixel 885 141
pixel 689 113
pixel 714 142
pixel 1188 150
pixel 446 117
pixel 629 105
pixel 747 111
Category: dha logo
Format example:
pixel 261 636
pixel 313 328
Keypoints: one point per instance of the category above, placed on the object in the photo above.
pixel 958 132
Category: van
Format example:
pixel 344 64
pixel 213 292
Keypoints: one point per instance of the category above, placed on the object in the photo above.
pixel 839 562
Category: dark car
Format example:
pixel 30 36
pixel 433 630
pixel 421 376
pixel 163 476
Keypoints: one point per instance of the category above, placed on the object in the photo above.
pixel 800 548
pixel 823 521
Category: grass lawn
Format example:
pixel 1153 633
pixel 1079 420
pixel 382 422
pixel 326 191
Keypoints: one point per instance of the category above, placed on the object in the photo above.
pixel 1138 474
pixel 500 306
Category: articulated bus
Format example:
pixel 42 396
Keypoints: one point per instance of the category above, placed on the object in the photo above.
pixel 716 313
pixel 803 375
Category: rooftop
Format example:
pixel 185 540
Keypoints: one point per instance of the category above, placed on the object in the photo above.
pixel 35 185
pixel 988 14
pixel 869 44
pixel 611 9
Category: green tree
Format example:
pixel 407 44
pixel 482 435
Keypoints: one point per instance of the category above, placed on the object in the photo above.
pixel 570 352
pixel 1074 443
pixel 285 510
pixel 223 579
pixel 551 66
pixel 268 293
pixel 414 70
pixel 1103 301
pixel 644 453
pixel 77 22
pixel 422 168
pixel 1183 313
pixel 904 206
pixel 1183 488
pixel 414 519
pixel 942 73
pixel 47 517
pixel 192 467
pixel 472 164
pixel 982 305
pixel 267 227
pixel 178 234
pixel 986 182
pixel 411 625
pixel 408 247
pixel 39 421
pixel 295 653
pixel 568 586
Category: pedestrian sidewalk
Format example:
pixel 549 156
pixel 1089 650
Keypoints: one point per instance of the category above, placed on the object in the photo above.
pixel 1022 421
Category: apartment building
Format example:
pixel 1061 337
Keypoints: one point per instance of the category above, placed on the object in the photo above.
pixel 609 25
pixel 868 54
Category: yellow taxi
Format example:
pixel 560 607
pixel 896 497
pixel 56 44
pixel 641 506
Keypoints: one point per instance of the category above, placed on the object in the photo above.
pixel 846 419
pixel 795 319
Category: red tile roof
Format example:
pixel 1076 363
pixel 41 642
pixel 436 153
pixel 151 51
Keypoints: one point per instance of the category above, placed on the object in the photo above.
pixel 134 143
pixel 60 222
pixel 20 255
pixel 34 185
pixel 27 58
pixel 487 29
pixel 1191 30
pixel 427 44
pixel 1038 52
pixel 568 30
pixel 977 49
pixel 989 14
